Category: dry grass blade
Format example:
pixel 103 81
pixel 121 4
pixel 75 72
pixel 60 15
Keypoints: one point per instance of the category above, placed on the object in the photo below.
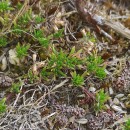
pixel 59 85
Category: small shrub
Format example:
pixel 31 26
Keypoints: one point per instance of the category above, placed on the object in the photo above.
pixel 22 50
pixel 100 73
pixel 57 62
pixel 4 6
pixel 45 73
pixel 44 42
pixel 58 34
pixel 3 42
pixel 2 106
pixel 89 37
pixel 93 66
pixel 77 80
pixel 32 77
pixel 38 33
pixel 60 61
pixel 16 88
pixel 19 5
pixel 17 29
pixel 127 125
pixel 101 98
pixel 39 19
pixel 25 18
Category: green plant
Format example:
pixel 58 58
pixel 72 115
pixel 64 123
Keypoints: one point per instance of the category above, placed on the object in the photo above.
pixel 32 77
pixel 127 125
pixel 38 33
pixel 58 34
pixel 60 61
pixel 25 18
pixel 19 5
pixel 2 105
pixel 89 37
pixel 16 88
pixel 100 73
pixel 17 29
pixel 5 6
pixel 101 98
pixel 39 19
pixel 44 73
pixel 94 66
pixel 73 59
pixel 22 50
pixel 57 62
pixel 77 80
pixel 44 41
pixel 3 41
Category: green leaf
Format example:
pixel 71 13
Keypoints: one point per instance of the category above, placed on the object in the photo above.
pixel 3 41
pixel 101 98
pixel 22 50
pixel 77 80
pixel 58 34
pixel 2 105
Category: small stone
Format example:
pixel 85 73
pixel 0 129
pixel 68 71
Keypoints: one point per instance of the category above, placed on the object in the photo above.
pixel 117 109
pixel 92 89
pixel 111 91
pixel 116 101
pixel 122 105
pixel 119 95
pixel 82 121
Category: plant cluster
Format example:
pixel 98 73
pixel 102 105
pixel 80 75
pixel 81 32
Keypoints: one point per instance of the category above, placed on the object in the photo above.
pixel 5 6
pixel 22 50
pixel 101 98
pixel 44 41
pixel 94 66
pixel 3 41
pixel 90 37
pixel 39 19
pixel 60 61
pixel 25 18
pixel 16 87
pixel 77 80
pixel 127 125
pixel 2 105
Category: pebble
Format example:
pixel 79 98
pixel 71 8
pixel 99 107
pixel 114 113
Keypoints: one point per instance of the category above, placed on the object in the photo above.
pixel 116 101
pixel 118 109
pixel 92 89
pixel 111 92
pixel 82 121
pixel 119 95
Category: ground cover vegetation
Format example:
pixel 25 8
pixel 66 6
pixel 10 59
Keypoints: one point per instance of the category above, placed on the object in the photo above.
pixel 64 64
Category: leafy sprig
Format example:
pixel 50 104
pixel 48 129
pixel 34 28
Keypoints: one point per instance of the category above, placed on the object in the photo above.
pixel 77 80
pixel 22 50
pixel 101 98
pixel 94 66
pixel 2 105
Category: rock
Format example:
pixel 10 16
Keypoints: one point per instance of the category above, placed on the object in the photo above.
pixel 119 95
pixel 82 121
pixel 118 109
pixel 92 89
pixel 116 101
pixel 111 91
pixel 5 81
